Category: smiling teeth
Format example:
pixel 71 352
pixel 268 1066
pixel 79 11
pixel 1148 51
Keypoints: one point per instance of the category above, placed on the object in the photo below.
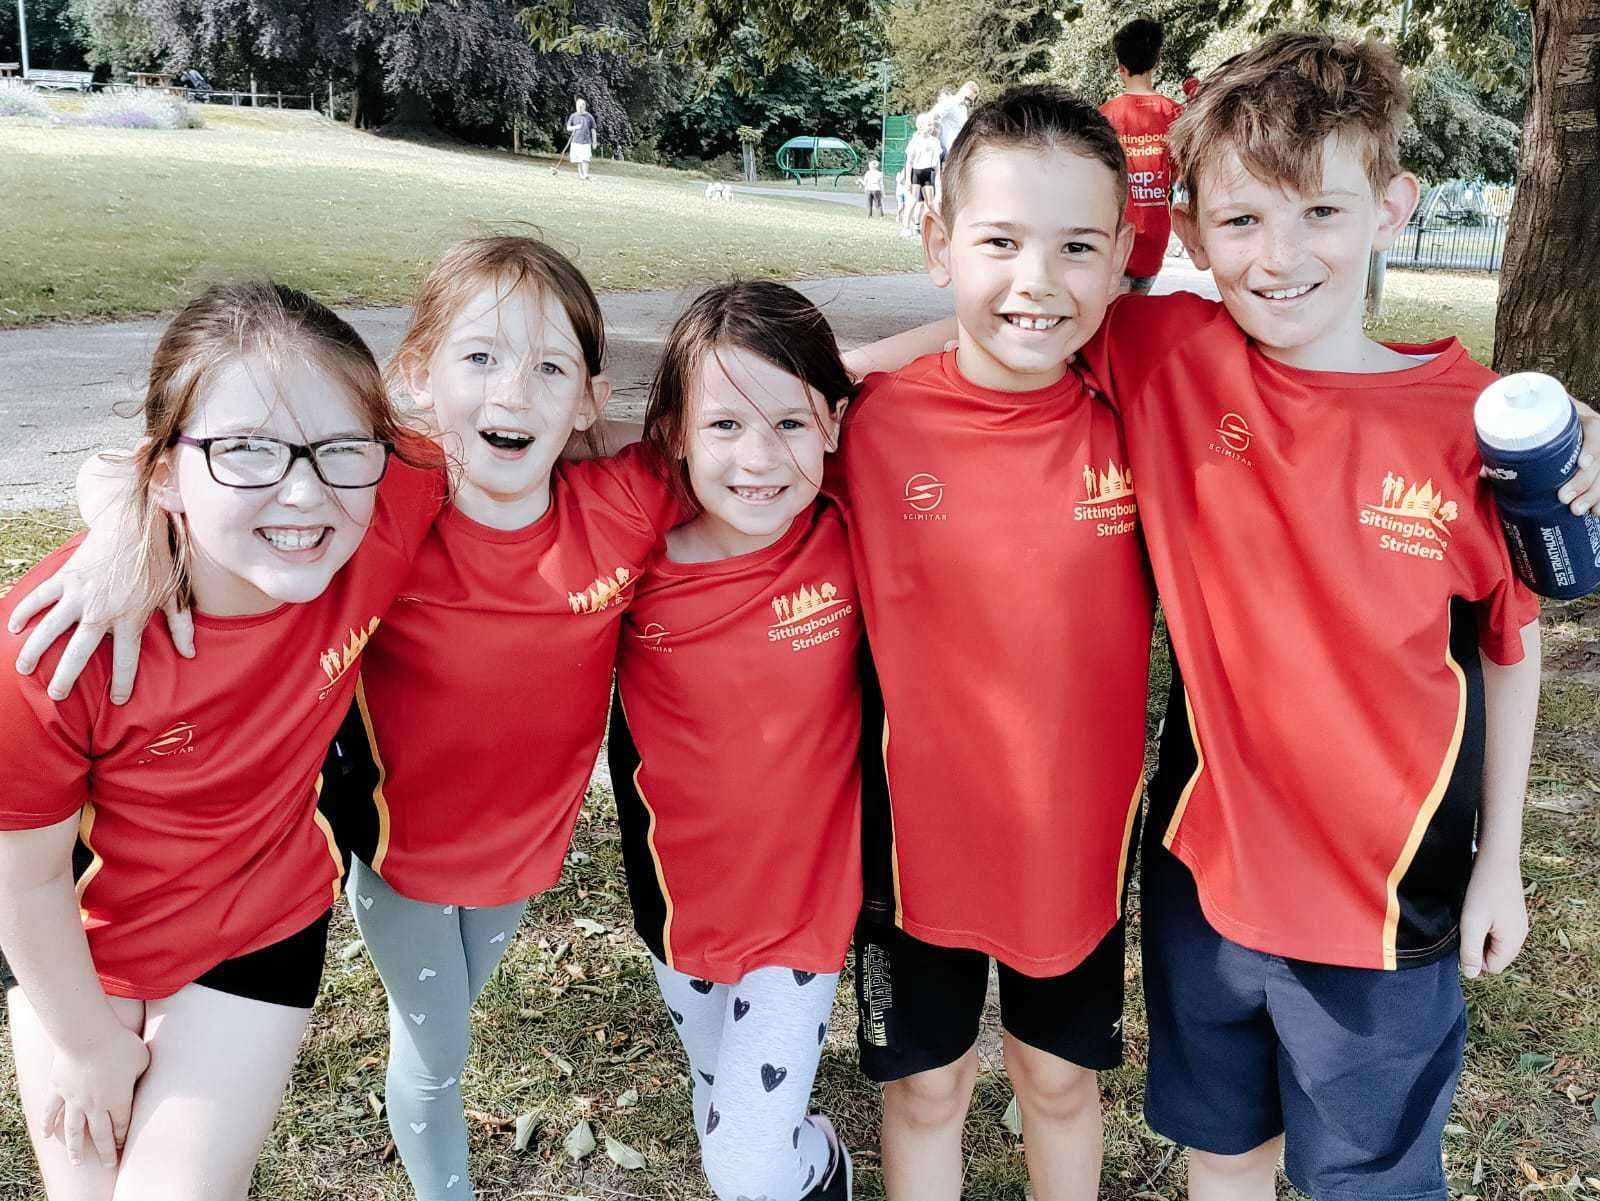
pixel 1287 293
pixel 1034 322
pixel 507 435
pixel 757 493
pixel 293 539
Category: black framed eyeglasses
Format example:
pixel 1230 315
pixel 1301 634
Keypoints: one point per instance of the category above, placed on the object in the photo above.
pixel 252 461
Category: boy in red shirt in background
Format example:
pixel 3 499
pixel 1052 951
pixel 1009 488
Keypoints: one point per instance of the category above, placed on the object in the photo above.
pixel 1141 116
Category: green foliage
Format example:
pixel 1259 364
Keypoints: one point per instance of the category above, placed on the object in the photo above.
pixel 1453 134
pixel 1082 60
pixel 797 98
pixel 54 40
pixel 938 44
pixel 116 34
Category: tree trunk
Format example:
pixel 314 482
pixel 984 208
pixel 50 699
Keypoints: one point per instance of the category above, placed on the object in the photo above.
pixel 366 92
pixel 412 116
pixel 1549 315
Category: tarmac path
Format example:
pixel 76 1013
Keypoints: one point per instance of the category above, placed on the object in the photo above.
pixel 63 386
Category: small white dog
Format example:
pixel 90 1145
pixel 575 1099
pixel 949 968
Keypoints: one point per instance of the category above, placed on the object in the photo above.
pixel 719 191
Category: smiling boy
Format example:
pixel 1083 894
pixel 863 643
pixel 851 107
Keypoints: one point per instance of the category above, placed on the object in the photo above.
pixel 1336 819
pixel 994 531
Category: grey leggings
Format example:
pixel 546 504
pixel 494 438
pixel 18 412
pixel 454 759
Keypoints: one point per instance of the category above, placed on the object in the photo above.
pixel 434 961
pixel 753 1051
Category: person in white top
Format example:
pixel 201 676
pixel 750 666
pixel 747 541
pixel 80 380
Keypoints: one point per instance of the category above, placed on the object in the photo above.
pixel 872 185
pixel 923 153
pixel 950 113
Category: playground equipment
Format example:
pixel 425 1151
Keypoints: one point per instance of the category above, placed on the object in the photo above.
pixel 815 157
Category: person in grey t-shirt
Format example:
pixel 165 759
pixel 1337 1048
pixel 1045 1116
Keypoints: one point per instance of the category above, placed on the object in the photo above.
pixel 580 132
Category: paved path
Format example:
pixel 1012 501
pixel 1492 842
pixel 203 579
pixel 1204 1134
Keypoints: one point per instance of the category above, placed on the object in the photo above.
pixel 63 386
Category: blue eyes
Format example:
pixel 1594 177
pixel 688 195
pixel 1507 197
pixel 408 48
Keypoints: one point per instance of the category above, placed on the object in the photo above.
pixel 728 425
pixel 481 358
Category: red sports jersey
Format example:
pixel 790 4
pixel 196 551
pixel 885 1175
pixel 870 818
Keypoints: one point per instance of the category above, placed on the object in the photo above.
pixel 199 796
pixel 1141 122
pixel 1008 606
pixel 735 756
pixel 484 696
pixel 1311 533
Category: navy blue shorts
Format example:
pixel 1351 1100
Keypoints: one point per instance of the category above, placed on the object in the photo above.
pixel 1355 1066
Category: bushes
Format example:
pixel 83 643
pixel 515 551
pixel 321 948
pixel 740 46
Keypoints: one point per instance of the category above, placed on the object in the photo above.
pixel 138 109
pixel 17 99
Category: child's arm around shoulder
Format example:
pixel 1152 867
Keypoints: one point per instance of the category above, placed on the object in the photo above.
pixel 93 595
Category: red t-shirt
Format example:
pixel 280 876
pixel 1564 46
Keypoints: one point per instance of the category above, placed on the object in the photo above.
pixel 734 756
pixel 485 694
pixel 1008 606
pixel 1329 564
pixel 199 796
pixel 1141 122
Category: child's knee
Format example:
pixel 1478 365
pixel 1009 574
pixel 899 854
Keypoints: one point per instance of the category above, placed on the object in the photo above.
pixel 933 1098
pixel 1049 1088
pixel 430 1053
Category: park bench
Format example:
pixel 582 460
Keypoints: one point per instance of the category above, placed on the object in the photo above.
pixel 61 81
pixel 816 157
pixel 9 69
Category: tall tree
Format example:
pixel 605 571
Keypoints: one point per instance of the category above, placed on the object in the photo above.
pixel 54 40
pixel 942 43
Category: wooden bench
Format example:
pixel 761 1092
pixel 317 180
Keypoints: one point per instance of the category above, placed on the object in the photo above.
pixel 61 81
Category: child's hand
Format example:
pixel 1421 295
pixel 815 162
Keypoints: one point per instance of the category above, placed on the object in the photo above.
pixel 90 597
pixel 1582 491
pixel 93 1092
pixel 1494 919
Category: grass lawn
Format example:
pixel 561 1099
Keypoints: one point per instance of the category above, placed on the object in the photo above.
pixel 1421 306
pixel 570 1028
pixel 102 223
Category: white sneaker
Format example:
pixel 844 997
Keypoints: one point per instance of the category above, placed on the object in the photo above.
pixel 841 1172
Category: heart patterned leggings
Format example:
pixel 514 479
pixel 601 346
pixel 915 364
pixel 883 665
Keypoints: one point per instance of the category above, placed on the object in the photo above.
pixel 434 961
pixel 753 1052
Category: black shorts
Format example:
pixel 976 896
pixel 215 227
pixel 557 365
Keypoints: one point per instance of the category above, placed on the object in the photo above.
pixel 920 1004
pixel 922 177
pixel 287 972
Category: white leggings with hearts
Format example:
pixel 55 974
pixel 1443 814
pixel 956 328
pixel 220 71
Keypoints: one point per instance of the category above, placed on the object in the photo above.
pixel 434 961
pixel 753 1052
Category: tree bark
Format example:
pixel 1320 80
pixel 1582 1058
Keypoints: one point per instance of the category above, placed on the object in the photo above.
pixel 412 113
pixel 366 93
pixel 1549 314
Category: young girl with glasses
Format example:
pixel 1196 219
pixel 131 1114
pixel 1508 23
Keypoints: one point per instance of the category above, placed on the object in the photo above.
pixel 458 775
pixel 165 875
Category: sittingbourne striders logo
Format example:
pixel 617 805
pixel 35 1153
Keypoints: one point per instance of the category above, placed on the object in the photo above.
pixel 602 594
pixel 809 616
pixel 1108 500
pixel 1412 520
pixel 338 660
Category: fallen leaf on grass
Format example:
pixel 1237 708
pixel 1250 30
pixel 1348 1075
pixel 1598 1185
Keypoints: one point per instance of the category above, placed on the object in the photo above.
pixel 560 1065
pixel 628 1099
pixel 1012 1118
pixel 589 926
pixel 526 1125
pixel 1528 1170
pixel 350 950
pixel 375 1104
pixel 1455 1128
pixel 623 1155
pixel 580 1142
pixel 1535 1061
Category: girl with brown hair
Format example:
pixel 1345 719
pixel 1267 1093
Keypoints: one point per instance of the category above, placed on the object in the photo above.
pixel 165 875
pixel 735 734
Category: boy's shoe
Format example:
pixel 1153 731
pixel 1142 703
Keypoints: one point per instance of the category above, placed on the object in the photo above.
pixel 838 1182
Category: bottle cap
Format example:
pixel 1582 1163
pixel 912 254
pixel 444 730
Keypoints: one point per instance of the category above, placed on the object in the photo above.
pixel 1523 411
